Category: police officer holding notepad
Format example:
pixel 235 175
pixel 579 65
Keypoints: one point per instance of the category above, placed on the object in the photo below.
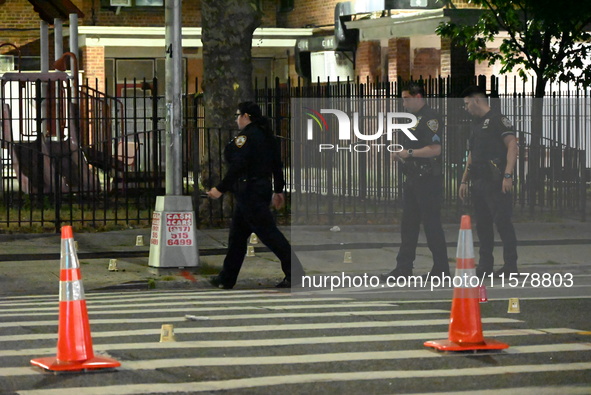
pixel 423 188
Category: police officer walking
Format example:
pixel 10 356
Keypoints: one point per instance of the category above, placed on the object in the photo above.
pixel 254 159
pixel 491 161
pixel 422 189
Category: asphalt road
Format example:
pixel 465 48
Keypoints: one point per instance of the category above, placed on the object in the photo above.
pixel 261 341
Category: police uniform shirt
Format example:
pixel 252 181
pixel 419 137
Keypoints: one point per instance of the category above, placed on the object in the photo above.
pixel 252 155
pixel 428 131
pixel 486 138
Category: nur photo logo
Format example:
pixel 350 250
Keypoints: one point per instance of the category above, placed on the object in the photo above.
pixel 351 127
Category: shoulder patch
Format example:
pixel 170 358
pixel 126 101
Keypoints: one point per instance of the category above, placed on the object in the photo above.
pixel 433 124
pixel 240 141
pixel 506 122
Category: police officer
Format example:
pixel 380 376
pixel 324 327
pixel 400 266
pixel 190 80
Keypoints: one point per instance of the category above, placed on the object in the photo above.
pixel 491 161
pixel 423 188
pixel 254 159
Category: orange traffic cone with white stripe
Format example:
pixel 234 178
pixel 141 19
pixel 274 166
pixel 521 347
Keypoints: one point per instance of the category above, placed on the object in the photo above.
pixel 465 326
pixel 74 343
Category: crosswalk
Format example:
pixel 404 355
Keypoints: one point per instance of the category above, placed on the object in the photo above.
pixel 268 342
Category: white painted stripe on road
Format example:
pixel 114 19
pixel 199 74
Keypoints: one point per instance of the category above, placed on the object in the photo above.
pixel 407 292
pixel 547 298
pixel 115 293
pixel 562 390
pixel 559 331
pixel 234 317
pixel 332 357
pixel 119 296
pixel 286 341
pixel 266 381
pixel 143 298
pixel 198 303
pixel 262 328
pixel 212 308
pixel 169 363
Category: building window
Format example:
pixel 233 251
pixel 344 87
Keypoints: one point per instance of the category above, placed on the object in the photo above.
pixel 132 3
pixel 149 3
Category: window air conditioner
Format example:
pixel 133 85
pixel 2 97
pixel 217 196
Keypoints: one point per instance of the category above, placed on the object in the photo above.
pixel 6 62
pixel 120 3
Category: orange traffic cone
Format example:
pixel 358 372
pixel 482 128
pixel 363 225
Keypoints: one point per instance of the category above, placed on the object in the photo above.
pixel 74 343
pixel 465 326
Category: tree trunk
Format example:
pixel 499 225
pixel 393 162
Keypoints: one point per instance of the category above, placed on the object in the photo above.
pixel 535 184
pixel 228 27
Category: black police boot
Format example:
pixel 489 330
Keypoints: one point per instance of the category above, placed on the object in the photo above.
pixel 506 271
pixel 217 282
pixel 395 273
pixel 436 273
pixel 285 283
pixel 482 271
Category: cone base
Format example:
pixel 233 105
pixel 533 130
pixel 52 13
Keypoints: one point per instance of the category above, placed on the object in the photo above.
pixel 53 364
pixel 447 345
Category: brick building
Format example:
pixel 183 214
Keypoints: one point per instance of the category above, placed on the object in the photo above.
pixel 118 43
pixel 316 39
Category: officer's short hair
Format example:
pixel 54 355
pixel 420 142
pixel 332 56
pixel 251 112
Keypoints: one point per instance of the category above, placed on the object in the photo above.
pixel 250 108
pixel 474 91
pixel 414 89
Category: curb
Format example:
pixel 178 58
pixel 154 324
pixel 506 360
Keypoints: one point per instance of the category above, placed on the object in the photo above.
pixel 300 248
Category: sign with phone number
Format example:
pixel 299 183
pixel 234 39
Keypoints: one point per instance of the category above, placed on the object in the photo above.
pixel 155 235
pixel 179 229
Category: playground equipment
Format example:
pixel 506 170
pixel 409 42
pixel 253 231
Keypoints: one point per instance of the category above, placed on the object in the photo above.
pixel 58 135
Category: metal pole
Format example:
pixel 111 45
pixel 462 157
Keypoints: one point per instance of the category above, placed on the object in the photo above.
pixel 74 60
pixel 74 35
pixel 58 38
pixel 44 41
pixel 172 245
pixel 174 78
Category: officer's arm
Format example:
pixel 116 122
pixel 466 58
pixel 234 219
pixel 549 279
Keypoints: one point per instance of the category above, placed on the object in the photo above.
pixel 278 178
pixel 237 167
pixel 429 151
pixel 466 175
pixel 463 191
pixel 511 143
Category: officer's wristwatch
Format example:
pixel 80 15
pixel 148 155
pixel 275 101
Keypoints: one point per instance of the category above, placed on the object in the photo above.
pixel 410 152
pixel 508 175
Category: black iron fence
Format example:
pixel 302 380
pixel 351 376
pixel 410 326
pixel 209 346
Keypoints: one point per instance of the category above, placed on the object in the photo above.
pixel 342 184
pixel 75 154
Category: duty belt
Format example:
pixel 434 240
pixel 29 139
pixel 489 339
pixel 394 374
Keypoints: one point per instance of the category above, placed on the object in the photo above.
pixel 415 169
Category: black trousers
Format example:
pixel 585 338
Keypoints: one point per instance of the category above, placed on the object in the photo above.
pixel 492 206
pixel 252 214
pixel 422 198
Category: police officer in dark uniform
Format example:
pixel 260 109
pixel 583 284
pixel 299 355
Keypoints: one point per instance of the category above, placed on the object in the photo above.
pixel 423 188
pixel 254 159
pixel 491 161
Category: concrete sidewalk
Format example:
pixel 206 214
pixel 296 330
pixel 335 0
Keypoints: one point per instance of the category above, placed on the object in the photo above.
pixel 29 263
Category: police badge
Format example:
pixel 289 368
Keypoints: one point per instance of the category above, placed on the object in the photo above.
pixel 240 141
pixel 433 124
pixel 506 122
